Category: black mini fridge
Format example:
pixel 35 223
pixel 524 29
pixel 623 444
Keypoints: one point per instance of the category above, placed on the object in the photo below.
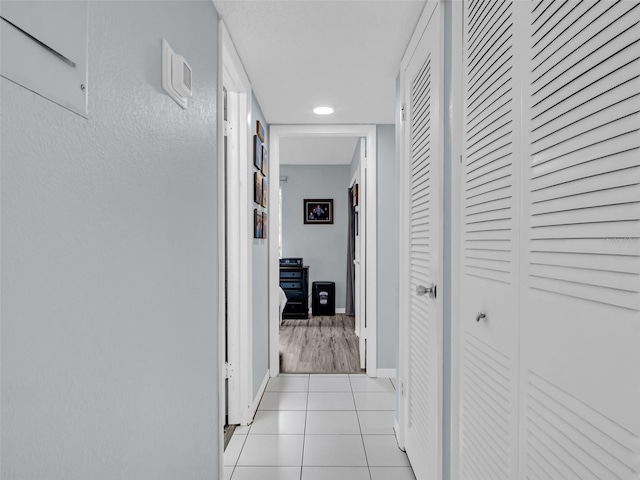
pixel 324 298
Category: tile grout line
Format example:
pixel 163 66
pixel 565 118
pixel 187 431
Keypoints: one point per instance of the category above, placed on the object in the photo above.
pixel 360 427
pixel 304 432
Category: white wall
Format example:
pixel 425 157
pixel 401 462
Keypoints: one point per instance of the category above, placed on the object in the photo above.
pixel 388 246
pixel 109 261
pixel 260 277
pixel 323 247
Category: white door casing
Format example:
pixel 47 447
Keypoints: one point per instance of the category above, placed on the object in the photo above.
pixel 368 261
pixel 422 177
pixel 238 252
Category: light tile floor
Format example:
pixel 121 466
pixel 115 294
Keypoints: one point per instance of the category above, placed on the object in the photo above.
pixel 320 427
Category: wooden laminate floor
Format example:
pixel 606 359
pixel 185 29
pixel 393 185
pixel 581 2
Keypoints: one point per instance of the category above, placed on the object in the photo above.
pixel 319 345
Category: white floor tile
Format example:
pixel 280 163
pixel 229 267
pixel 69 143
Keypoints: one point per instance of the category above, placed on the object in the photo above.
pixel 266 473
pixel 336 423
pixel 232 452
pixel 336 473
pixel 227 473
pixel 334 451
pixel 283 401
pixel 288 384
pixel 272 450
pixel 330 384
pixel 375 400
pixel 366 384
pixel 374 422
pixel 242 430
pixel 396 473
pixel 383 451
pixel 279 422
pixel 331 401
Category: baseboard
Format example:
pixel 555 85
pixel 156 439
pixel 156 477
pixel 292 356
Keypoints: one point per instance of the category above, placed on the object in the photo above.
pixel 256 401
pixel 386 373
pixel 338 311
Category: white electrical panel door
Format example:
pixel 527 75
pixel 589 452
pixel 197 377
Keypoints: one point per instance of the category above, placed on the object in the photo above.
pixel 44 49
pixel 580 315
pixel 423 382
pixel 488 348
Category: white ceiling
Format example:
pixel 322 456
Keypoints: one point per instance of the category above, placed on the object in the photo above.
pixel 317 150
pixel 300 54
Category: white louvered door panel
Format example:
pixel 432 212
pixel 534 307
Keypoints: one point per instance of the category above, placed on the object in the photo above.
pixel 580 320
pixel 424 384
pixel 488 352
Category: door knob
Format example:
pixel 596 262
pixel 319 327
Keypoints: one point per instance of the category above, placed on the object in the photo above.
pixel 421 290
pixel 480 316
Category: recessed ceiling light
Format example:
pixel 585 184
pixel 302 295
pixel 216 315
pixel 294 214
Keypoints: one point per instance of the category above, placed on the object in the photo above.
pixel 323 110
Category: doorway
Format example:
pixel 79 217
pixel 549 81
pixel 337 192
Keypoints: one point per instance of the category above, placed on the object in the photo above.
pixel 367 228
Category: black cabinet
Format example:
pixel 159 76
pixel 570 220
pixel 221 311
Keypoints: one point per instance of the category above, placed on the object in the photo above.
pixel 294 280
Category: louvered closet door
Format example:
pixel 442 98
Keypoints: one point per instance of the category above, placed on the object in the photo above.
pixel 489 286
pixel 580 343
pixel 423 384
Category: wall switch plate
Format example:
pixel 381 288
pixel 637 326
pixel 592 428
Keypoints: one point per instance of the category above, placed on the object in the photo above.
pixel 174 79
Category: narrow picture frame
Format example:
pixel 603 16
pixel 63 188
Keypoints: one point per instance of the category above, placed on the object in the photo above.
pixel 265 192
pixel 257 224
pixel 260 131
pixel 257 152
pixel 265 161
pixel 257 188
pixel 265 224
pixel 318 212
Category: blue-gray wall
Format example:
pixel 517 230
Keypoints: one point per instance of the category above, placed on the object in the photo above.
pixel 388 197
pixel 323 247
pixel 260 278
pixel 109 347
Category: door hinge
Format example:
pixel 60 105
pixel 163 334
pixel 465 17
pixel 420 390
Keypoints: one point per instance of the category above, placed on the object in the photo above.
pixel 228 128
pixel 403 109
pixel 228 370
pixel 402 388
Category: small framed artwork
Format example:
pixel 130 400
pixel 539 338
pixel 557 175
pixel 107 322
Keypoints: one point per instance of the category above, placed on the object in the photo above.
pixel 257 152
pixel 265 161
pixel 318 211
pixel 265 224
pixel 265 192
pixel 257 223
pixel 260 130
pixel 257 188
pixel 356 195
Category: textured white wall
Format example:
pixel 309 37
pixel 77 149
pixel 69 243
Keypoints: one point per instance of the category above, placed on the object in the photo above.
pixel 109 365
pixel 260 284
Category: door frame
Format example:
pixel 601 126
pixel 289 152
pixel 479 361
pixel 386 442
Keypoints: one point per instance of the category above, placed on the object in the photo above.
pixel 232 76
pixel 276 132
pixel 401 422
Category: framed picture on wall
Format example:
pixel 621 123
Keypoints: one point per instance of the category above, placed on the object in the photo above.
pixel 265 192
pixel 260 130
pixel 257 223
pixel 265 224
pixel 265 161
pixel 257 188
pixel 318 212
pixel 257 152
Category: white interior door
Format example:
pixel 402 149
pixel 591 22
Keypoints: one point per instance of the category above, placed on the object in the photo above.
pixel 580 316
pixel 489 306
pixel 423 140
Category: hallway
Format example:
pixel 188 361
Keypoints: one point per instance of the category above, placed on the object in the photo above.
pixel 318 427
